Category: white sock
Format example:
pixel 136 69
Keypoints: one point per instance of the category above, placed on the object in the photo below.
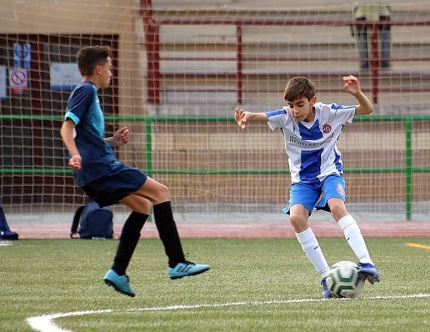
pixel 354 238
pixel 312 249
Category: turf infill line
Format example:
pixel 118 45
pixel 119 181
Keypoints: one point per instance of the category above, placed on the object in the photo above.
pixel 46 323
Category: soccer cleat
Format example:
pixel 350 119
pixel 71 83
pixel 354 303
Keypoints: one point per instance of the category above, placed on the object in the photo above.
pixel 185 269
pixel 368 272
pixel 119 283
pixel 326 294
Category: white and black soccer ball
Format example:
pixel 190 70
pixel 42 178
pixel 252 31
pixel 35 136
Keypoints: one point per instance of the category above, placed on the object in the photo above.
pixel 343 280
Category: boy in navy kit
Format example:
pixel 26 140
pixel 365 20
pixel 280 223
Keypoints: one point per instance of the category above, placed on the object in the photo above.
pixel 108 181
pixel 311 130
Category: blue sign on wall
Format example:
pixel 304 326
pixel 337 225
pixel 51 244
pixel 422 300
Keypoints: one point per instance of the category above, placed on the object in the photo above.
pixel 22 55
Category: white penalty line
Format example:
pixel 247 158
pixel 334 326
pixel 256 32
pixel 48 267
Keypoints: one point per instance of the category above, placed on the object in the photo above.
pixel 46 323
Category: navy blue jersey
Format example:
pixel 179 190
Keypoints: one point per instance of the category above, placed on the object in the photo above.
pixel 98 159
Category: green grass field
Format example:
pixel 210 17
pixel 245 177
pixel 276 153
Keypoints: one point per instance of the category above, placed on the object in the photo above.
pixel 253 285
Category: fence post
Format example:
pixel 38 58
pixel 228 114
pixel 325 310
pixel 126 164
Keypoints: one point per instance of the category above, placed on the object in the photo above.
pixel 148 145
pixel 409 171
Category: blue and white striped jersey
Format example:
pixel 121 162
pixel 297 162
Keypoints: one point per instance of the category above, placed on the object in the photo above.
pixel 311 146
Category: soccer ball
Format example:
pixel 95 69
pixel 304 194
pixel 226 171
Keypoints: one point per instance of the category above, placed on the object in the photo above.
pixel 343 280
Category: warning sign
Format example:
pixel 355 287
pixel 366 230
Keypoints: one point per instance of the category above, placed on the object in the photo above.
pixel 18 80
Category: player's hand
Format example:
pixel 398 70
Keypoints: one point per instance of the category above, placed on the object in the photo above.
pixel 351 84
pixel 239 117
pixel 121 136
pixel 75 162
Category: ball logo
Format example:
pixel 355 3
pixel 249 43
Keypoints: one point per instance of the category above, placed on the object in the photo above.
pixel 326 128
pixel 339 189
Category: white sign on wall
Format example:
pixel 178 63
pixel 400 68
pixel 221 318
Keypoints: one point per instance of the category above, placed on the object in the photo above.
pixel 18 80
pixel 3 93
pixel 64 76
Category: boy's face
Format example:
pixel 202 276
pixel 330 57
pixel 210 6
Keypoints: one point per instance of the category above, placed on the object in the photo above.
pixel 105 73
pixel 302 109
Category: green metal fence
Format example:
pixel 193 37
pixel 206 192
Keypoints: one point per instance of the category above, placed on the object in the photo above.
pixel 407 169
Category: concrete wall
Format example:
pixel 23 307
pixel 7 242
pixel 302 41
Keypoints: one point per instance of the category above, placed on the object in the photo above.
pixel 93 17
pixel 63 17
pixel 278 4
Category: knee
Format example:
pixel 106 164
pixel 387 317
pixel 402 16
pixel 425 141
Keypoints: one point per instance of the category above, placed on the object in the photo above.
pixel 138 204
pixel 338 210
pixel 299 223
pixel 145 207
pixel 163 193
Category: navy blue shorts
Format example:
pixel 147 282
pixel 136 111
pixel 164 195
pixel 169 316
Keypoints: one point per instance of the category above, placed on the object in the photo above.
pixel 110 189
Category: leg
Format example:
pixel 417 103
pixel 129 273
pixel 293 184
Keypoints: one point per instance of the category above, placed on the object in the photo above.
pixel 299 215
pixel 166 226
pixel 334 191
pixel 130 186
pixel 355 239
pixel 307 239
pixel 361 31
pixel 159 195
pixel 385 42
pixel 350 229
pixel 130 233
pixel 129 238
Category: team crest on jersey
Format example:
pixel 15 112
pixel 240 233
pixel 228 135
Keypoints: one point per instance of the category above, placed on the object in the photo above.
pixel 326 128
pixel 339 189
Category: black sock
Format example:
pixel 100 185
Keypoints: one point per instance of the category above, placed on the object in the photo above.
pixel 130 236
pixel 168 233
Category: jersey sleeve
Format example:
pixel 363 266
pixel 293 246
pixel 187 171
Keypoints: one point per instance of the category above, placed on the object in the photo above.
pixel 79 102
pixel 344 114
pixel 277 118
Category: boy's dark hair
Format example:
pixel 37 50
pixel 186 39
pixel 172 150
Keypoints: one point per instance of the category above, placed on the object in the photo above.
pixel 299 87
pixel 91 56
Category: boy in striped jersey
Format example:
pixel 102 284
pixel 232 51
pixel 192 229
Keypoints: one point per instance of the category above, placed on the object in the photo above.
pixel 311 130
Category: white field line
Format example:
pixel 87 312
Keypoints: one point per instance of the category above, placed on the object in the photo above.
pixel 46 323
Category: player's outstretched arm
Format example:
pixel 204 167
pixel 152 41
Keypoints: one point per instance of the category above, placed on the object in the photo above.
pixel 241 117
pixel 352 85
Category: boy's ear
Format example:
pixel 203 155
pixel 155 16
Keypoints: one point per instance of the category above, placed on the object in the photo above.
pixel 313 100
pixel 98 69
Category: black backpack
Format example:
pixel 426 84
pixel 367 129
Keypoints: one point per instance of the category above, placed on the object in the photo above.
pixel 94 222
pixel 5 232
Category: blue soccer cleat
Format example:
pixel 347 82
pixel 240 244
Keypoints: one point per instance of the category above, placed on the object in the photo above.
pixel 185 269
pixel 119 283
pixel 326 294
pixel 368 272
